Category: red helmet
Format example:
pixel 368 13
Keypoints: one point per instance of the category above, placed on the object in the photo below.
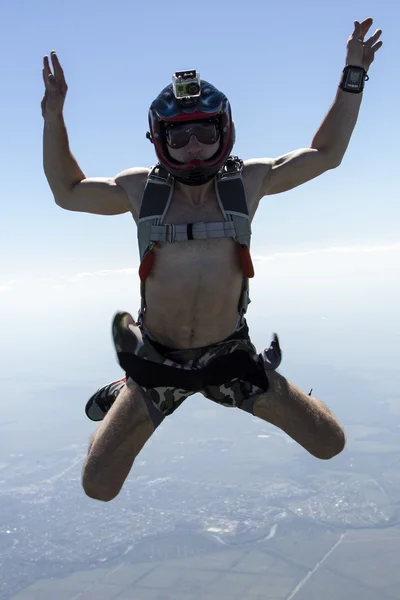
pixel 209 104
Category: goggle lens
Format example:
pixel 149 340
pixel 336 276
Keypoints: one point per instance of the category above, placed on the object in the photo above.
pixel 179 135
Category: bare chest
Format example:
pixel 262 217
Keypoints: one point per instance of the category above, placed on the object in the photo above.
pixel 198 255
pixel 205 211
pixel 205 256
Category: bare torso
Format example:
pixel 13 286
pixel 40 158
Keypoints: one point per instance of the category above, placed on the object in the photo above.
pixel 193 291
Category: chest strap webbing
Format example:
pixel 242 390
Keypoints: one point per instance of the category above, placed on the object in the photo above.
pixel 192 231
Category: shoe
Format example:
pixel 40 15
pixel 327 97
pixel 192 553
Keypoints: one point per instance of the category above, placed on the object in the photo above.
pixel 100 403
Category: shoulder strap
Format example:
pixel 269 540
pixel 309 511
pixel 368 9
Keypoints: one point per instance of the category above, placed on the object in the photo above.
pixel 155 203
pixel 232 200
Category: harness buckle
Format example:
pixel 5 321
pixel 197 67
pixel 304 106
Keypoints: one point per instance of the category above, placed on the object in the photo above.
pixel 189 231
pixel 170 232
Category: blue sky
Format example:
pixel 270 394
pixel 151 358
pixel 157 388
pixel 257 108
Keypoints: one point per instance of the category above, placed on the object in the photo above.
pixel 279 63
pixel 117 56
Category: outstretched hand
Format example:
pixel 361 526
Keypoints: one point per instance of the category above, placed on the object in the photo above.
pixel 361 53
pixel 55 86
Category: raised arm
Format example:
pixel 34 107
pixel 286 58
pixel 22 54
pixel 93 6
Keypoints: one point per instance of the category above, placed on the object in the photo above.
pixel 71 189
pixel 330 142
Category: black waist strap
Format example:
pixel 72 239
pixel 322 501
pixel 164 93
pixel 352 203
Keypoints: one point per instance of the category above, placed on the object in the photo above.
pixel 222 370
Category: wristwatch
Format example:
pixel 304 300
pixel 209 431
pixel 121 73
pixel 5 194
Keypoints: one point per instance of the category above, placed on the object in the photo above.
pixel 353 79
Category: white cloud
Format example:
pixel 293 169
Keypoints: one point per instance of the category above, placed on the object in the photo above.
pixel 60 282
pixel 356 249
pixel 103 273
pixel 8 285
pixel 312 297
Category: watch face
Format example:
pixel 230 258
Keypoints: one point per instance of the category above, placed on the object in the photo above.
pixel 354 78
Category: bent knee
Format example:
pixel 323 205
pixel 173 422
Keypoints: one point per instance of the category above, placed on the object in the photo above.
pixel 330 444
pixel 101 494
pixel 97 491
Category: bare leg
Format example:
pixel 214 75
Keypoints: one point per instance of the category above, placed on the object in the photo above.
pixel 115 445
pixel 307 420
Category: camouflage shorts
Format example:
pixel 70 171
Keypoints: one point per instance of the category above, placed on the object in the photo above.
pixel 236 393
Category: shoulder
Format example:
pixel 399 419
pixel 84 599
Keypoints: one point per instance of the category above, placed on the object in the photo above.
pixel 256 172
pixel 133 182
pixel 257 168
pixel 134 176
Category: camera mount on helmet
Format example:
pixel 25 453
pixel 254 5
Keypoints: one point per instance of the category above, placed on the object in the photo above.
pixel 186 86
